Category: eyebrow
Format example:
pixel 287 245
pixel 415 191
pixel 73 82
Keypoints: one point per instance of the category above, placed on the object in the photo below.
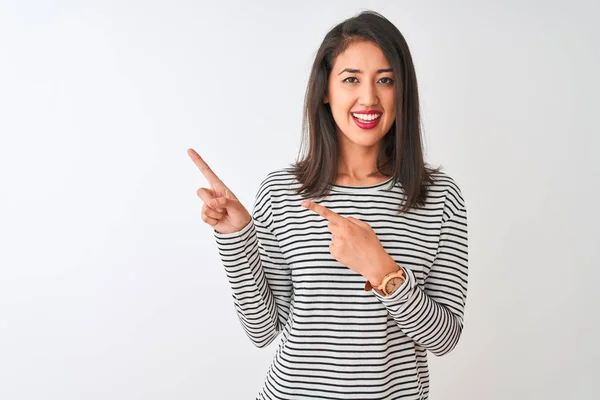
pixel 358 71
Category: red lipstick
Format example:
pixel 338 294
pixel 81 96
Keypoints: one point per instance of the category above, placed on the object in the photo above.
pixel 366 124
pixel 367 112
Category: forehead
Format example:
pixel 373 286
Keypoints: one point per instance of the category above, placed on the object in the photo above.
pixel 363 55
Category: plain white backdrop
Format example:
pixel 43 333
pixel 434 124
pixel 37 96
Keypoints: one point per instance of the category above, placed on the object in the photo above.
pixel 110 283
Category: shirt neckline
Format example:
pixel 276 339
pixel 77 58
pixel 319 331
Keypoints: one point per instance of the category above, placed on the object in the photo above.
pixel 363 189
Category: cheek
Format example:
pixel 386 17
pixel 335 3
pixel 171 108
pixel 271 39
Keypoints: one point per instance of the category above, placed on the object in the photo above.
pixel 390 103
pixel 391 115
pixel 341 111
pixel 341 101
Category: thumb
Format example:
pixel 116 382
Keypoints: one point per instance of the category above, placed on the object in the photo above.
pixel 358 222
pixel 229 195
pixel 220 203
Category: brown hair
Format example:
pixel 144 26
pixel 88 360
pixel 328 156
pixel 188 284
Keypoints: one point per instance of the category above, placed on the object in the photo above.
pixel 401 148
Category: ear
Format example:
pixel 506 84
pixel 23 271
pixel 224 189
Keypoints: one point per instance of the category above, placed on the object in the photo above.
pixel 326 99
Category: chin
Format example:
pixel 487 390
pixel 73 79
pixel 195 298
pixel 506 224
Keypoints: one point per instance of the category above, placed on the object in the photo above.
pixel 366 139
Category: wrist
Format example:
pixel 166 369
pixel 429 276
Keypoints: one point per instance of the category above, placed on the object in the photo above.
pixel 387 266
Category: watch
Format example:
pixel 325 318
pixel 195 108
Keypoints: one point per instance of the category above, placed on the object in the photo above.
pixel 389 283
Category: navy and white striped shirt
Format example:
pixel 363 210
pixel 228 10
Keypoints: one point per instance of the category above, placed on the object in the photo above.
pixel 339 341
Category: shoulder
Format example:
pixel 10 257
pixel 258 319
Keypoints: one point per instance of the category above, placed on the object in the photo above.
pixel 280 179
pixel 441 180
pixel 275 183
pixel 446 189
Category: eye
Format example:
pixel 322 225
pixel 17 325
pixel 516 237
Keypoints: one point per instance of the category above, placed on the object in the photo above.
pixel 388 81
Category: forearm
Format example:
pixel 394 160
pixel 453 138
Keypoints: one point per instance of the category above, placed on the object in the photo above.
pixel 430 324
pixel 253 299
pixel 431 310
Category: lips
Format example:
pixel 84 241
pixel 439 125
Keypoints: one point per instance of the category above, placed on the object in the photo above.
pixel 367 112
pixel 364 124
pixel 367 124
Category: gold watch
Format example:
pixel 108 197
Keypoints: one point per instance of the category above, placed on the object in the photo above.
pixel 389 283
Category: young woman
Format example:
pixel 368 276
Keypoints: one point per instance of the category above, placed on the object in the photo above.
pixel 369 275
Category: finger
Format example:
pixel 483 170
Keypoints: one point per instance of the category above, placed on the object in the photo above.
pixel 207 196
pixel 336 229
pixel 229 195
pixel 325 212
pixel 210 221
pixel 209 212
pixel 358 222
pixel 208 173
pixel 220 203
pixel 337 239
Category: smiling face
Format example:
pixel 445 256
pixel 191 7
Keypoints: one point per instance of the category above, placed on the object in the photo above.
pixel 361 81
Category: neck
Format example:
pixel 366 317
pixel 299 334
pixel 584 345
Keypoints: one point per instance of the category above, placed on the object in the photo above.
pixel 358 164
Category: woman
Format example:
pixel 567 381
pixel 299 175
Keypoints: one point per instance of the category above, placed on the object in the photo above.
pixel 371 274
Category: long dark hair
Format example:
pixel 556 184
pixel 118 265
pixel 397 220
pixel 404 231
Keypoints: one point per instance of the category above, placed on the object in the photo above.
pixel 401 150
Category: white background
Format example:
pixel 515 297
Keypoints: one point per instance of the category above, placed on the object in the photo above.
pixel 110 283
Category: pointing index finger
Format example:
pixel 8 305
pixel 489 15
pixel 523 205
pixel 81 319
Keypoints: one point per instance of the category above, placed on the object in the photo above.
pixel 324 212
pixel 208 173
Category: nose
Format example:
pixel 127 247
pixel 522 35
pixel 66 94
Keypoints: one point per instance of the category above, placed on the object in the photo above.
pixel 368 95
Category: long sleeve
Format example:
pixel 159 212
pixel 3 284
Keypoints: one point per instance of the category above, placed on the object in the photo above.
pixel 259 277
pixel 433 315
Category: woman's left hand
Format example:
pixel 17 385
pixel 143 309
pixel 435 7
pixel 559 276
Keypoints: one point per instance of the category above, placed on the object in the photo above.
pixel 354 243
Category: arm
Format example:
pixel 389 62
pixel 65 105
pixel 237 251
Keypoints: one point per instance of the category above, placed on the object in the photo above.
pixel 259 277
pixel 433 316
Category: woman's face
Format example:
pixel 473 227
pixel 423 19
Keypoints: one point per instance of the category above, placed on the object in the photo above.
pixel 361 80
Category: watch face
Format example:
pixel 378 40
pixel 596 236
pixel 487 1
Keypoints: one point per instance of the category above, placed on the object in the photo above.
pixel 393 284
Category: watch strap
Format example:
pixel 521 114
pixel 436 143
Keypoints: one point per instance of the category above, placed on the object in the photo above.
pixel 381 288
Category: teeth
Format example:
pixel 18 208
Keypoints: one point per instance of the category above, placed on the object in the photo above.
pixel 366 117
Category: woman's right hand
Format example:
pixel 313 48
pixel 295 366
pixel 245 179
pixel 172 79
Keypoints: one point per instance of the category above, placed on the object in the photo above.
pixel 221 209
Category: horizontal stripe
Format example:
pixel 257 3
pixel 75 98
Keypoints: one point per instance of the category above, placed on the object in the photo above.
pixel 338 341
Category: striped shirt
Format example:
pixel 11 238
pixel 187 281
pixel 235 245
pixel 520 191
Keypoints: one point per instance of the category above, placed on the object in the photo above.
pixel 339 341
